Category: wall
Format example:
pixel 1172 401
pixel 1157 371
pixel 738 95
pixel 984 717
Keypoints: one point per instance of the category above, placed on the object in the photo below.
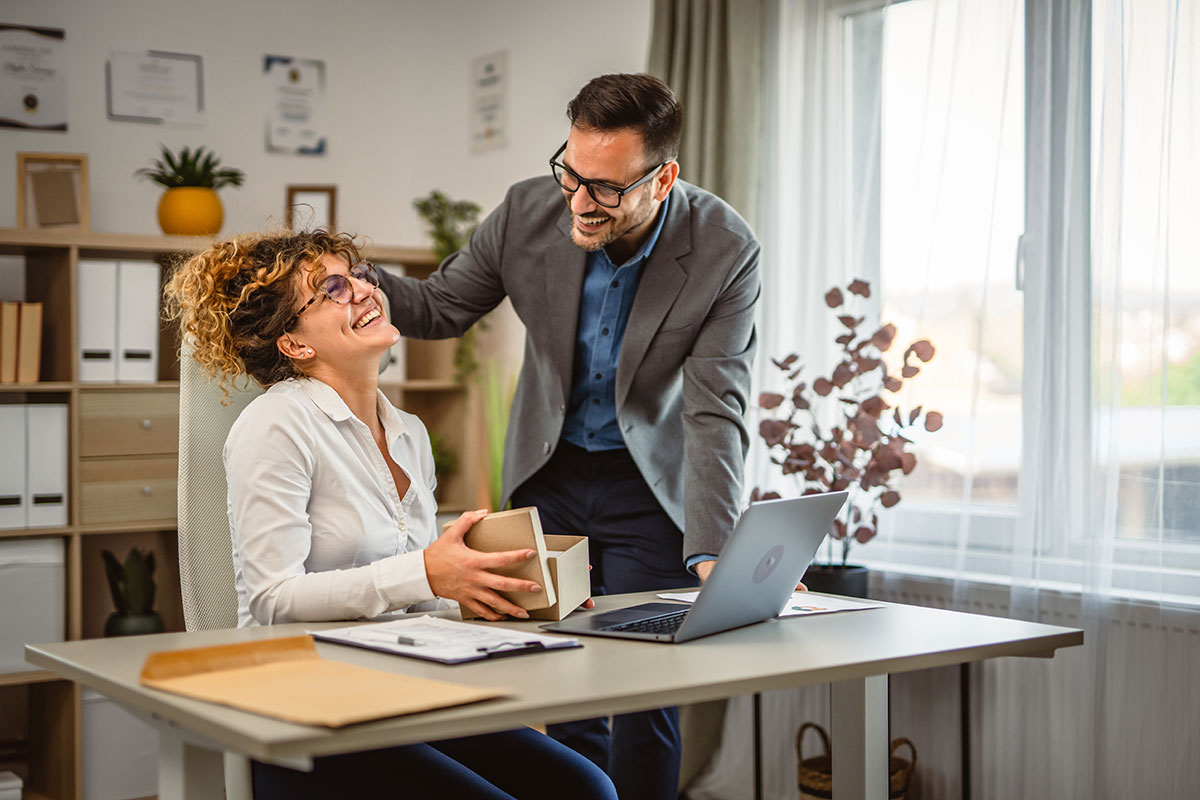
pixel 397 77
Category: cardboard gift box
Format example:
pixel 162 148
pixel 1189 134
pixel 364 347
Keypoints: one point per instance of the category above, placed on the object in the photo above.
pixel 561 565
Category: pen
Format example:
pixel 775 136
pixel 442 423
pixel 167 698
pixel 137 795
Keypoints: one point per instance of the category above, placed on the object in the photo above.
pixel 407 640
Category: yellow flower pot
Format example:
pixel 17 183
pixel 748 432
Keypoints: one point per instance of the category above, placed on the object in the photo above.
pixel 190 211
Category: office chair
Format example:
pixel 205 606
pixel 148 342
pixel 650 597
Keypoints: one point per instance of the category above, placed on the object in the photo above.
pixel 205 551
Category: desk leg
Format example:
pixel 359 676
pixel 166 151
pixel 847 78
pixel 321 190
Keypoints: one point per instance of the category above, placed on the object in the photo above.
pixel 187 771
pixel 860 748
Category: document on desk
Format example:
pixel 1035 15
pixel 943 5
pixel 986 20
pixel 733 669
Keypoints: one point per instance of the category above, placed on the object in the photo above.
pixel 444 641
pixel 801 604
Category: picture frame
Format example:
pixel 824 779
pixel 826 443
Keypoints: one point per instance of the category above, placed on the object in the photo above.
pixel 310 206
pixel 52 191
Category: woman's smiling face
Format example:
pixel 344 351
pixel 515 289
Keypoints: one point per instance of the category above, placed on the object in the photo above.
pixel 345 320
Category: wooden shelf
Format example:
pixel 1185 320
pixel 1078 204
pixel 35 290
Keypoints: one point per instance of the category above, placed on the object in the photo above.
pixel 137 387
pixel 25 678
pixel 29 533
pixel 18 241
pixel 40 386
pixel 144 526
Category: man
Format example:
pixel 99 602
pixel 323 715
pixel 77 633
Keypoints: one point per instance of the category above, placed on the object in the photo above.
pixel 637 291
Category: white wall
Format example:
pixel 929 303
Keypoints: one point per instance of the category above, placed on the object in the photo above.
pixel 397 77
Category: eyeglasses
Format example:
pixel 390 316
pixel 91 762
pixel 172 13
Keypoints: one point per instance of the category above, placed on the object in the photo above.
pixel 338 287
pixel 604 194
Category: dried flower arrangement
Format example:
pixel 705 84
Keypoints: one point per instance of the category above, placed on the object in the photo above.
pixel 866 450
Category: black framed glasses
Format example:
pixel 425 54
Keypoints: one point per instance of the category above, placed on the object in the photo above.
pixel 604 194
pixel 338 287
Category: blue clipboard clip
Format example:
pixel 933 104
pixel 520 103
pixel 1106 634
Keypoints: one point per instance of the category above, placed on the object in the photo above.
pixel 504 649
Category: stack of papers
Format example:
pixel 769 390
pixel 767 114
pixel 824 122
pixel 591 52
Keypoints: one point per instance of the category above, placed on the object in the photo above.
pixel 444 640
pixel 801 604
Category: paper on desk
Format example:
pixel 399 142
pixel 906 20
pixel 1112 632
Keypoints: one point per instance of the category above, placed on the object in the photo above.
pixel 801 604
pixel 286 679
pixel 443 640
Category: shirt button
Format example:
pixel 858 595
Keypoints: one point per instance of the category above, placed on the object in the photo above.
pixel 616 284
pixel 591 436
pixel 561 408
pixel 595 401
pixel 604 331
pixel 599 376
pixel 546 448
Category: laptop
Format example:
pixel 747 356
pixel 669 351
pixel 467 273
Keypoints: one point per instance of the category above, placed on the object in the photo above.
pixel 772 545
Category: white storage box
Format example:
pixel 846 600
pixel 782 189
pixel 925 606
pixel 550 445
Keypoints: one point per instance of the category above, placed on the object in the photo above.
pixel 32 598
pixel 120 752
pixel 10 786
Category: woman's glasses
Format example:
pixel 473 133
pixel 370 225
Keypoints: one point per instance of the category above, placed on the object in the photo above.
pixel 338 288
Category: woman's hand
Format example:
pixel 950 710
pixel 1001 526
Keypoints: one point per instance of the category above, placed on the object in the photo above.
pixel 457 572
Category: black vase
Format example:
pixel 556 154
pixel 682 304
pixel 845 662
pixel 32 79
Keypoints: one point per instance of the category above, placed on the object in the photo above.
pixel 848 581
pixel 119 624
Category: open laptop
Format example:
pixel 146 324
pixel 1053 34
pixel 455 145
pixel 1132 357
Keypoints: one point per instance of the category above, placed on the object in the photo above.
pixel 772 545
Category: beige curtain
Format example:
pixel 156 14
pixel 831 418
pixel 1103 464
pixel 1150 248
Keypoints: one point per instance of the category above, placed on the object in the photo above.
pixel 710 53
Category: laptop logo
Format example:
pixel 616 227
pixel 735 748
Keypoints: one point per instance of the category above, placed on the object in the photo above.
pixel 768 564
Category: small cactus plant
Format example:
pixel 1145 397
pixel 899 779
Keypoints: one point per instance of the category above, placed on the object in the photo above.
pixel 132 587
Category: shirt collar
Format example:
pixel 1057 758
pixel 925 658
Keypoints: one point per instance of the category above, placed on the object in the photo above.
pixel 326 398
pixel 651 240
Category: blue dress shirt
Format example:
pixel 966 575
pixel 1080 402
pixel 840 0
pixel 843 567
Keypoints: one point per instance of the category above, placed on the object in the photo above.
pixel 608 292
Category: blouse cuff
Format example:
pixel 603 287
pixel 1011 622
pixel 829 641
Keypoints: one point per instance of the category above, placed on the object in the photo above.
pixel 400 580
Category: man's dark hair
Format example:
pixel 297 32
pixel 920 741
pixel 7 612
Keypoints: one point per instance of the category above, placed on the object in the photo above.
pixel 641 102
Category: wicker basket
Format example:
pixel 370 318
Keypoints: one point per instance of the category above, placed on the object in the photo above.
pixel 815 774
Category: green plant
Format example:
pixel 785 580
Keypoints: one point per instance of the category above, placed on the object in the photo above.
pixel 866 446
pixel 450 224
pixel 190 168
pixel 445 460
pixel 497 390
pixel 131 584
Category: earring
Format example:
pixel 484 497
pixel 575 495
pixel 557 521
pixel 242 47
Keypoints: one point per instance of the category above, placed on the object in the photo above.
pixel 309 351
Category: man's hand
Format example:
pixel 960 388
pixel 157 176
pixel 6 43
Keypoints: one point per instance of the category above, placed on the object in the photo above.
pixel 457 572
pixel 703 568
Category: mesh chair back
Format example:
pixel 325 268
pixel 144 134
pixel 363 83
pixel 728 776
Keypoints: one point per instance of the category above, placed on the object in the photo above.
pixel 205 551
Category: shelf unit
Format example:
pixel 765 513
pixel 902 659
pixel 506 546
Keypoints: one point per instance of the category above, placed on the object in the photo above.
pixel 123 441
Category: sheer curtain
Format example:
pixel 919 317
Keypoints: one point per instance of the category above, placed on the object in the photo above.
pixel 1018 181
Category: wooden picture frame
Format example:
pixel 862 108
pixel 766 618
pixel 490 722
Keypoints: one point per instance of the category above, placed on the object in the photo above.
pixel 310 206
pixel 52 191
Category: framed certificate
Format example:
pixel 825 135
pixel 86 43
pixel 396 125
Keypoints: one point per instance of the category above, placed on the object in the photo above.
pixel 52 191
pixel 155 86
pixel 33 81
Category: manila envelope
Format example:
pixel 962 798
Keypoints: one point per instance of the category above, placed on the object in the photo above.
pixel 286 679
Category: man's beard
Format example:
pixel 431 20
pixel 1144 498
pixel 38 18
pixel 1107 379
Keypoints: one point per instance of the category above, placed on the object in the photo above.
pixel 638 216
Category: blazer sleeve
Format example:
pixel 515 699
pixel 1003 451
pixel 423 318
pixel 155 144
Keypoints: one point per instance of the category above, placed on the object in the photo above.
pixel 716 388
pixel 466 286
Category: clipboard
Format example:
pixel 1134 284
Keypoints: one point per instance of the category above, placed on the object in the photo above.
pixel 444 641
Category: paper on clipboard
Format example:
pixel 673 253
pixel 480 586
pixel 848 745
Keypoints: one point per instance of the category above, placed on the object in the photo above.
pixel 443 640
pixel 286 679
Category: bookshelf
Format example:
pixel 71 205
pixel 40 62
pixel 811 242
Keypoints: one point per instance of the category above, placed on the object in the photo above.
pixel 122 463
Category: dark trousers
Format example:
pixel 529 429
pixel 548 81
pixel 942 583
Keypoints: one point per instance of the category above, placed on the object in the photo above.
pixel 634 547
pixel 495 766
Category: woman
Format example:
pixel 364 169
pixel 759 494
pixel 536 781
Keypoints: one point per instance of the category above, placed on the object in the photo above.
pixel 331 507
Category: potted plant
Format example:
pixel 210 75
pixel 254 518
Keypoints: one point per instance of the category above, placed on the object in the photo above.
pixel 858 445
pixel 190 206
pixel 132 588
pixel 445 460
pixel 451 223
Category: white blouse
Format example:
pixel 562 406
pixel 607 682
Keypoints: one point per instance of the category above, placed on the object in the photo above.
pixel 319 531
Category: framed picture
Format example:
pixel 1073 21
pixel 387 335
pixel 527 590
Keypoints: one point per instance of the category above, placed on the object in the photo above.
pixel 311 206
pixel 52 191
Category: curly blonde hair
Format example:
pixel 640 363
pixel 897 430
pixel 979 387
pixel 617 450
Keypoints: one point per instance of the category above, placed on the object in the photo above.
pixel 234 299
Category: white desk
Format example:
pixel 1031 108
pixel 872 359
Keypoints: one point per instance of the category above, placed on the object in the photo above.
pixel 853 651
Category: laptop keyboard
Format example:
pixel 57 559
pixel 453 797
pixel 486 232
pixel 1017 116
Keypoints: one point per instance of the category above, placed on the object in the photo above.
pixel 667 623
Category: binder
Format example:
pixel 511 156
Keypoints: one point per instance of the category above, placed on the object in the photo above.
pixel 8 341
pixel 46 455
pixel 12 467
pixel 97 321
pixel 29 343
pixel 137 322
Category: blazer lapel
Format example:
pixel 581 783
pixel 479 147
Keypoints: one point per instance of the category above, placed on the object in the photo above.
pixel 563 266
pixel 662 280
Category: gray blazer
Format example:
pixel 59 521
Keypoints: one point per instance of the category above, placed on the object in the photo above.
pixel 683 375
